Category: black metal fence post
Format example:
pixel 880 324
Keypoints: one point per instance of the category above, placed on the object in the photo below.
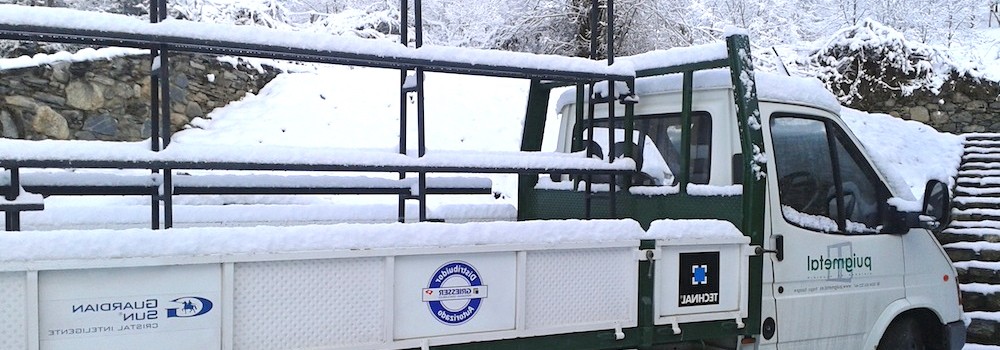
pixel 404 39
pixel 421 135
pixel 166 194
pixel 12 218
pixel 154 111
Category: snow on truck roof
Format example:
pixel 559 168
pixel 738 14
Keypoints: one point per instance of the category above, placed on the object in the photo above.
pixel 202 241
pixel 770 88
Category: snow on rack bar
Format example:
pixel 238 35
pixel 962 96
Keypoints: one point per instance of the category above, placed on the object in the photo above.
pixel 692 228
pixel 23 198
pixel 139 154
pixel 250 211
pixel 143 243
pixel 137 243
pixel 66 19
pixel 678 56
pixel 142 178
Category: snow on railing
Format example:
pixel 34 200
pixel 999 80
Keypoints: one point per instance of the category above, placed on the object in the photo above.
pixel 143 178
pixel 214 241
pixel 137 243
pixel 74 22
pixel 192 156
pixel 677 56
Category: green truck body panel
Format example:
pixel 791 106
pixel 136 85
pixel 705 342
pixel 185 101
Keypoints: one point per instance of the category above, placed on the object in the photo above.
pixel 557 204
pixel 745 211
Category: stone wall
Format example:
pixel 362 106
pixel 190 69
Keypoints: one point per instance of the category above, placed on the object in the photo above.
pixel 109 99
pixel 963 105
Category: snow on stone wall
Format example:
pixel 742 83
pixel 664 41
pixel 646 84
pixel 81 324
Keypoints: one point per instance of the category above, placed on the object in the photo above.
pixel 872 67
pixel 962 105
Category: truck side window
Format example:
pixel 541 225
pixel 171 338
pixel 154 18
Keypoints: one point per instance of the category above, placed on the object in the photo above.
pixel 663 131
pixel 823 184
pixel 860 191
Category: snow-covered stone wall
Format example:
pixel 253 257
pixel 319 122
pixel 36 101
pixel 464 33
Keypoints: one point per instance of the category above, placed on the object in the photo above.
pixel 873 67
pixel 963 105
pixel 108 99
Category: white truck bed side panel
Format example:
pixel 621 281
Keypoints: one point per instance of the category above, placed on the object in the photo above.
pixel 308 303
pixel 13 331
pixel 362 299
pixel 581 287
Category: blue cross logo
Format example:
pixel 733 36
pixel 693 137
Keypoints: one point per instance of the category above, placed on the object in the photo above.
pixel 700 273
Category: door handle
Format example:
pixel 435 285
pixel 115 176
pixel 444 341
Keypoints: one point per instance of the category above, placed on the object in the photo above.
pixel 779 248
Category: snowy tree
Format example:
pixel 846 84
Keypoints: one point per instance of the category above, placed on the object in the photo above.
pixel 768 21
pixel 930 21
pixel 851 12
pixel 818 18
pixel 630 16
pixel 959 15
pixel 563 26
pixel 370 24
pixel 302 11
pixel 464 23
pixel 874 61
pixel 130 7
pixel 664 24
pixel 265 13
pixel 683 23
pixel 544 26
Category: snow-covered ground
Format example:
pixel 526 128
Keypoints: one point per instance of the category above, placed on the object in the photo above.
pixel 331 107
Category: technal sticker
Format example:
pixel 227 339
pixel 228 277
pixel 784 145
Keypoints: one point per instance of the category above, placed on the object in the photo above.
pixel 455 293
pixel 189 307
pixel 699 279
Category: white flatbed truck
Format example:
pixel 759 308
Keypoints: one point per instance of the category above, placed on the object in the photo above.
pixel 715 217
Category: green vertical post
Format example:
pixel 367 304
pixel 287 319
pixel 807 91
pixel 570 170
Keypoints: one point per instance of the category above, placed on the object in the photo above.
pixel 534 116
pixel 578 124
pixel 754 170
pixel 534 130
pixel 629 129
pixel 686 97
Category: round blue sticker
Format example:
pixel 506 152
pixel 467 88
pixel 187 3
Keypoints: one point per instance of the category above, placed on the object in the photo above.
pixel 455 293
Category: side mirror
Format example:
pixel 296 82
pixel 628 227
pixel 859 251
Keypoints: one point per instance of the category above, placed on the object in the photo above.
pixel 935 214
pixel 898 221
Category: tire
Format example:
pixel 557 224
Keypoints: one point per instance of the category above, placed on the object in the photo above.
pixel 902 334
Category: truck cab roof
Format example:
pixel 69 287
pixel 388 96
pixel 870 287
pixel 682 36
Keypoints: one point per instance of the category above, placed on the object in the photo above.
pixel 770 88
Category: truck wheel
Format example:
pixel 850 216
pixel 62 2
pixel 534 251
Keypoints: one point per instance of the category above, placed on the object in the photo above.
pixel 902 334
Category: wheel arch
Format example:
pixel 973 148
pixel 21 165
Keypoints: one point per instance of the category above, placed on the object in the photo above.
pixel 928 319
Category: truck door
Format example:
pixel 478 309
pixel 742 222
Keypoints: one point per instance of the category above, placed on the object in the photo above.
pixel 836 273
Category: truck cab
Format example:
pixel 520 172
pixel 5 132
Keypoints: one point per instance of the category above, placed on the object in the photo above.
pixel 842 268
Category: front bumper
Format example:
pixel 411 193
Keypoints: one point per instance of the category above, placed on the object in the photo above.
pixel 954 335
